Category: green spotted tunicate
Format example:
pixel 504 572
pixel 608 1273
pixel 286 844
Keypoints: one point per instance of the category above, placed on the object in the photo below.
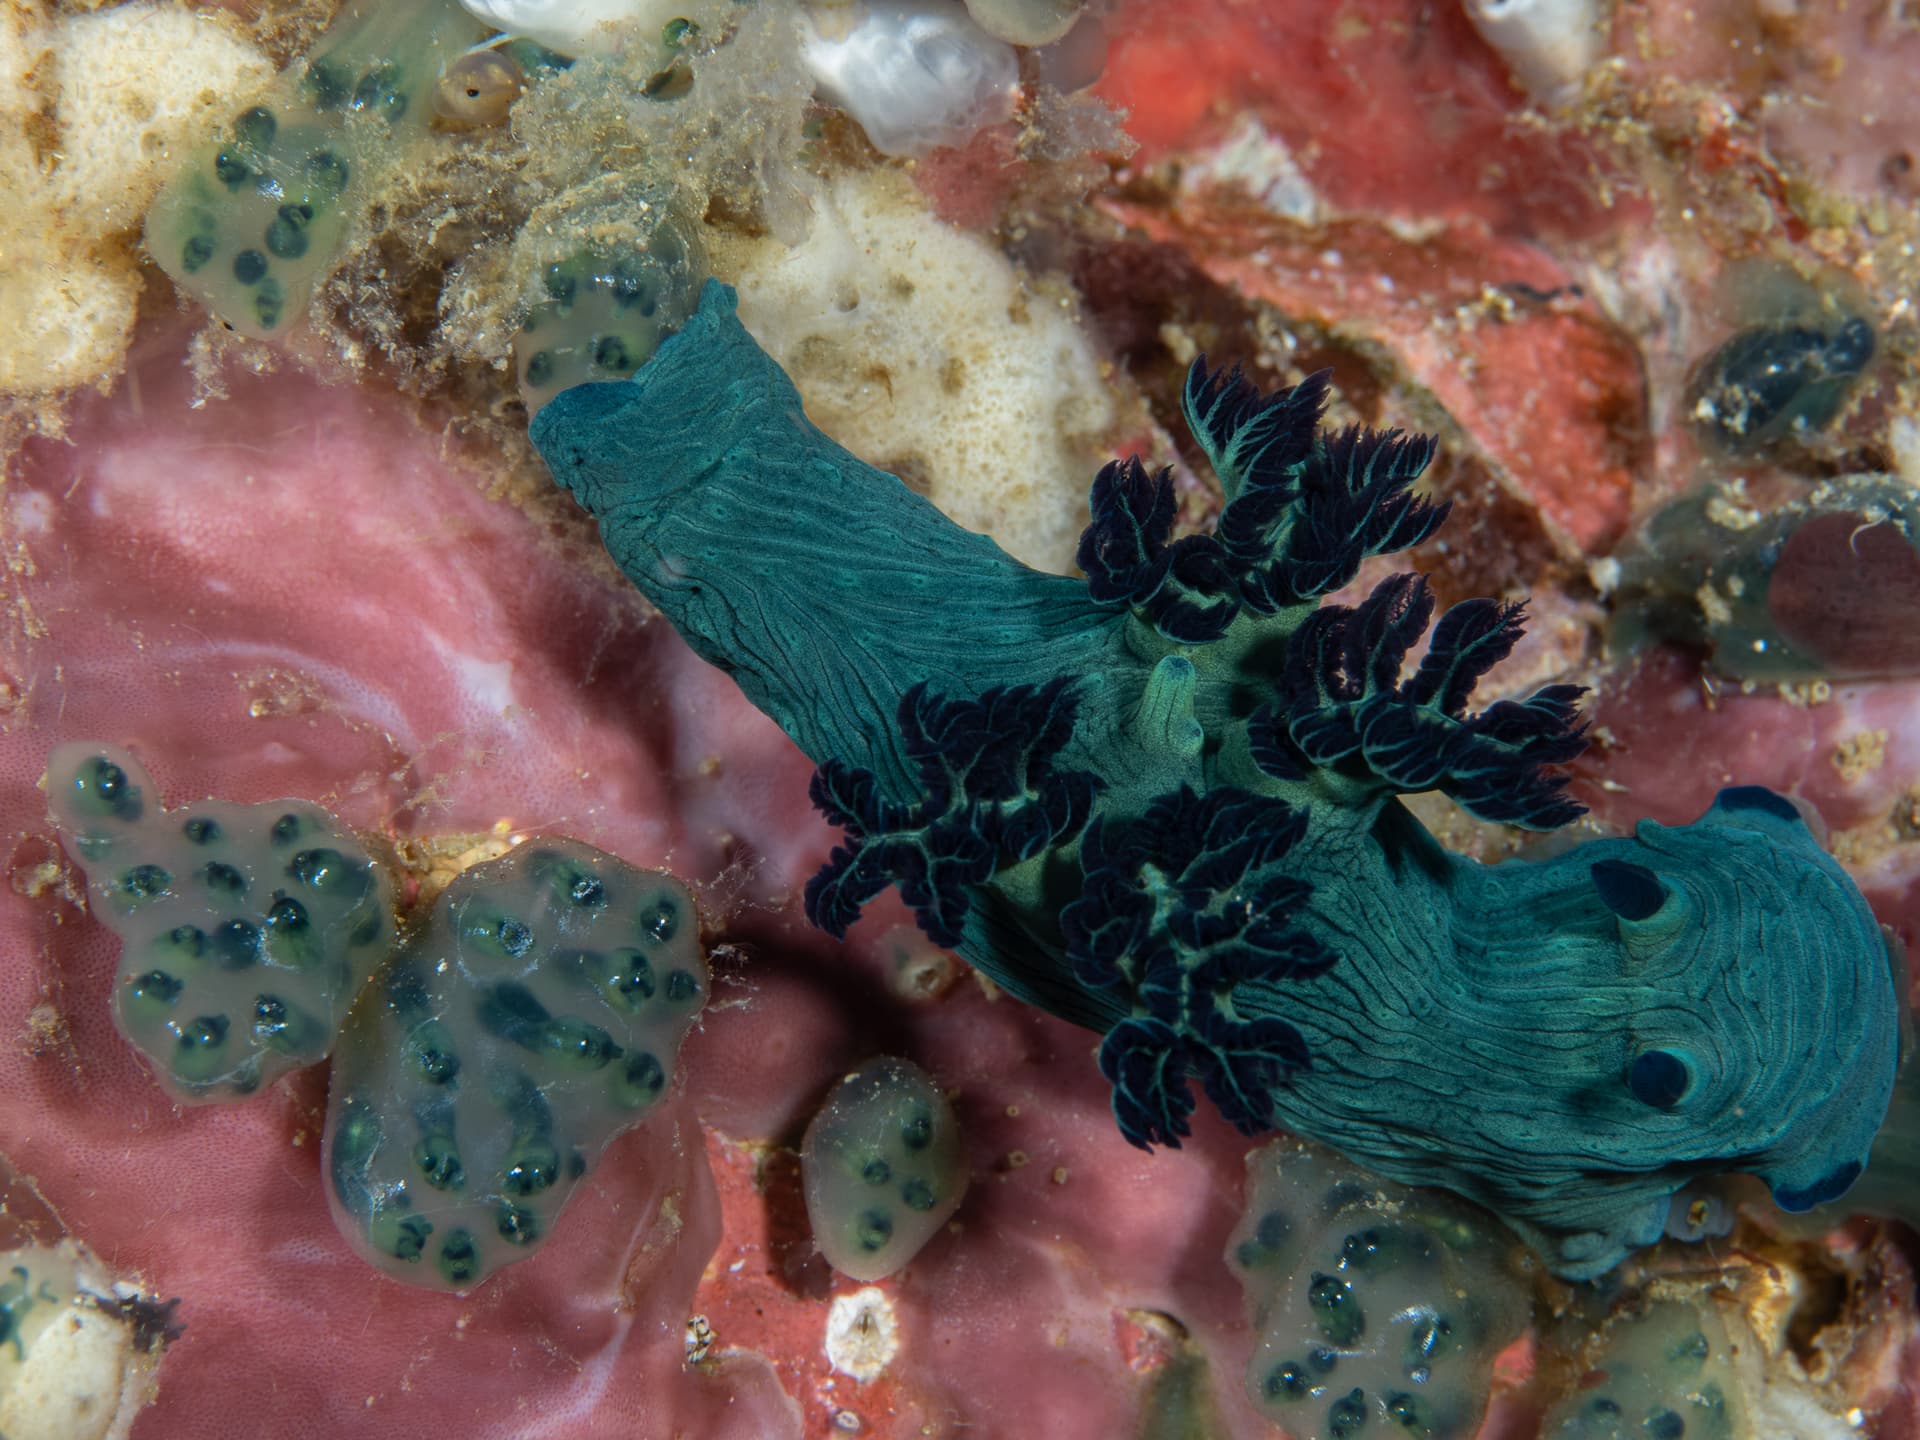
pixel 1667 1373
pixel 600 312
pixel 256 218
pixel 1378 1309
pixel 235 967
pixel 883 1168
pixel 536 1016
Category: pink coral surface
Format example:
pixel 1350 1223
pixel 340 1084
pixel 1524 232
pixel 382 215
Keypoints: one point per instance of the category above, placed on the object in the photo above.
pixel 307 590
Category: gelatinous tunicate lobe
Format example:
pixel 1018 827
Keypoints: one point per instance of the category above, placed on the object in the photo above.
pixel 600 312
pixel 883 1168
pixel 1378 1309
pixel 1666 1373
pixel 255 219
pixel 1825 586
pixel 246 930
pixel 1771 382
pixel 536 1016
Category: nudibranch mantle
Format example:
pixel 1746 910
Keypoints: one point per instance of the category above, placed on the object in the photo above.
pixel 1160 803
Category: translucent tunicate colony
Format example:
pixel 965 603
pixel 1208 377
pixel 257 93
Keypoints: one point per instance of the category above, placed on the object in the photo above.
pixel 1823 586
pixel 1378 1308
pixel 883 1168
pixel 253 221
pixel 1665 1374
pixel 1770 383
pixel 602 312
pixel 536 1017
pixel 246 929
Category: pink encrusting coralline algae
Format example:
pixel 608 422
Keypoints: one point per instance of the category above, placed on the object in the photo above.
pixel 1649 316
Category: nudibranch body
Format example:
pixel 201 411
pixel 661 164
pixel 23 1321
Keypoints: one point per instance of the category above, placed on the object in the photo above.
pixel 1160 802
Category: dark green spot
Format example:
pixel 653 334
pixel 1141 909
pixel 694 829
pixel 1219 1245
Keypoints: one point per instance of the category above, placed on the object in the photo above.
pixel 155 989
pixel 1665 1425
pixel 1347 1415
pixel 633 288
pixel 531 1169
pixel 638 1081
pixel 578 1046
pixel 587 890
pixel 183 942
pixel 682 986
pixel 287 828
pixel 659 922
pixel 876 1171
pixel 101 788
pixel 372 925
pixel 201 1043
pixel 278 1026
pixel 560 285
pixel 1428 1338
pixel 195 254
pixel 409 1238
pixel 145 882
pixel 540 368
pixel 269 303
pixel 430 1050
pixel 916 1131
pixel 1333 1300
pixel 1272 1230
pixel 517 1224
pixel 326 84
pixel 379 93
pixel 222 879
pixel 610 353
pixel 1287 1381
pixel 236 944
pixel 200 830
pixel 249 267
pixel 459 1260
pixel 231 169
pixel 630 983
pixel 326 175
pixel 287 914
pixel 256 127
pixel 331 873
pixel 1691 1352
pixel 437 1159
pixel 918 1195
pixel 285 239
pixel 873 1230
pixel 514 936
pixel 1407 1412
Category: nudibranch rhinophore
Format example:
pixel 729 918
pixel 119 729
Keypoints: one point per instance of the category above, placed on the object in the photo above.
pixel 1160 802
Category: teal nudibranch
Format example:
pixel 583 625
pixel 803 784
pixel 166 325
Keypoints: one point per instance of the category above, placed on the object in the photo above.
pixel 1160 802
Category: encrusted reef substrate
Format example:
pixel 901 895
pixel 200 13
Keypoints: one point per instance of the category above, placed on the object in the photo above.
pixel 1160 803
